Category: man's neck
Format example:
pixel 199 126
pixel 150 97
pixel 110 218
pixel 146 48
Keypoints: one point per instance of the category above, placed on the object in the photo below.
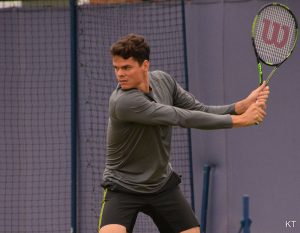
pixel 145 86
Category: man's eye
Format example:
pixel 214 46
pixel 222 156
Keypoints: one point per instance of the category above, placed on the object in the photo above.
pixel 123 68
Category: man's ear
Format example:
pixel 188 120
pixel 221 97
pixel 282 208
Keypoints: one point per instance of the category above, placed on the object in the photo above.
pixel 146 65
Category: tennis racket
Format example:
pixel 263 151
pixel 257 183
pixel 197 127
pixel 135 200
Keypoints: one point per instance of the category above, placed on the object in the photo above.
pixel 274 36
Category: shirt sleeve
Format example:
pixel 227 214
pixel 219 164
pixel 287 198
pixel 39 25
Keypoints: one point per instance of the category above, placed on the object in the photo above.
pixel 135 107
pixel 186 100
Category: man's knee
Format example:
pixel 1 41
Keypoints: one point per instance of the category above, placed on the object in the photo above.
pixel 192 230
pixel 116 228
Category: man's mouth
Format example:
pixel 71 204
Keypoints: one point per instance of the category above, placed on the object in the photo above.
pixel 122 82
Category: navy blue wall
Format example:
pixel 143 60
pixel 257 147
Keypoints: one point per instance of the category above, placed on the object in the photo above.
pixel 262 161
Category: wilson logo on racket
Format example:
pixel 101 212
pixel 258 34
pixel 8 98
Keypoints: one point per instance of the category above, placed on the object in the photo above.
pixel 277 29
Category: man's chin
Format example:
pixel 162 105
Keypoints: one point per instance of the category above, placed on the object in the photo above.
pixel 126 88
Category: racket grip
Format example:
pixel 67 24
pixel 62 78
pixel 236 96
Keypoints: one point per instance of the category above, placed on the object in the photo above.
pixel 260 74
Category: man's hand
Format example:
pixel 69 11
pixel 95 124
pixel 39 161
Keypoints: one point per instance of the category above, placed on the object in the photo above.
pixel 255 114
pixel 252 110
pixel 259 95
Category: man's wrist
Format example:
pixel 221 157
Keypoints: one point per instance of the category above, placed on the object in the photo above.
pixel 241 106
pixel 237 121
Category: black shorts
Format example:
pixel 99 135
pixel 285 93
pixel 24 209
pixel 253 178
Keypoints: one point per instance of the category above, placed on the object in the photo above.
pixel 169 209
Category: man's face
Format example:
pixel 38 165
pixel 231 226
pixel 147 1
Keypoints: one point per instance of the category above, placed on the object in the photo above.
pixel 129 73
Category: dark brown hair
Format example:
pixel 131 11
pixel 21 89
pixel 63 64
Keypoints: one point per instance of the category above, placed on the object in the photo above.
pixel 131 45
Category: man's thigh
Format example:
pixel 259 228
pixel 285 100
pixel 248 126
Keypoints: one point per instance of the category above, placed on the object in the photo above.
pixel 119 209
pixel 171 212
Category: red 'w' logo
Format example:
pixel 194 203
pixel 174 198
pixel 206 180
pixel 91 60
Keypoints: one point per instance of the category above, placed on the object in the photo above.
pixel 277 28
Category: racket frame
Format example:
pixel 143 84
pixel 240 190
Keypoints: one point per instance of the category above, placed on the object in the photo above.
pixel 260 60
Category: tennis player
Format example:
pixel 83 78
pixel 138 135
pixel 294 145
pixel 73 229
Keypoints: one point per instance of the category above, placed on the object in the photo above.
pixel 138 176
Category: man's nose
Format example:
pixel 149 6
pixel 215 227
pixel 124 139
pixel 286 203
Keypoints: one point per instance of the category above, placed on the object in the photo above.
pixel 120 72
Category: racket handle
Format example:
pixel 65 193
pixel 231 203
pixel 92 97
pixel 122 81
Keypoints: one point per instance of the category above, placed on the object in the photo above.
pixel 260 74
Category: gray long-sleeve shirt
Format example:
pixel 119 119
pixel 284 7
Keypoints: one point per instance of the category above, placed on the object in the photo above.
pixel 140 127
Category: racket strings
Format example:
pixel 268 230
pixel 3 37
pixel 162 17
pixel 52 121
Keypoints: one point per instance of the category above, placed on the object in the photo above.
pixel 275 34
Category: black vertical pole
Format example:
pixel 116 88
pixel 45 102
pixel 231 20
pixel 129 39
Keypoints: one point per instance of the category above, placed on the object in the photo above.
pixel 74 115
pixel 205 195
pixel 247 220
pixel 187 88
